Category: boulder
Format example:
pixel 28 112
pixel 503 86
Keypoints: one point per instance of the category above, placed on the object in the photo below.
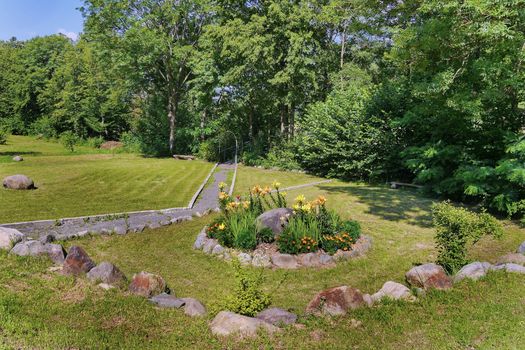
pixel 521 248
pixel 77 262
pixel 326 259
pixel 515 268
pixel 47 238
pixel 474 271
pixel 275 219
pixel 165 300
pixel 309 260
pixel 227 323
pixel 193 307
pixel 106 272
pixel 18 159
pixel 199 242
pixel 428 276
pixel 393 290
pixel 18 182
pixel 284 261
pixel 120 230
pixel 217 250
pixel 277 316
pixel 9 237
pixel 260 259
pixel 244 258
pixel 512 258
pixel 209 244
pixel 36 248
pixel 147 284
pixel 336 301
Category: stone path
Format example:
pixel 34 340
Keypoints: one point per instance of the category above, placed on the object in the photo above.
pixel 124 223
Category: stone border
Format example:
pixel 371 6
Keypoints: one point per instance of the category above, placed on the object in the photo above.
pixel 259 258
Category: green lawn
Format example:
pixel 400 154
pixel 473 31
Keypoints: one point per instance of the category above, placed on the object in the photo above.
pixel 39 309
pixel 86 183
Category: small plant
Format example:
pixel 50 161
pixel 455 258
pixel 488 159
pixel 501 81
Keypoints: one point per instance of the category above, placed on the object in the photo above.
pixel 456 230
pixel 69 140
pixel 248 297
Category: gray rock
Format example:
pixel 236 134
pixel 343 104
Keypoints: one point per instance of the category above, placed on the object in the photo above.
pixel 18 182
pixel 120 230
pixel 199 242
pixel 36 248
pixel 165 222
pixel 49 238
pixel 244 258
pixel 428 276
pixel 284 261
pixel 165 300
pixel 515 268
pixel 106 286
pixel 277 316
pixel 154 225
pixel 474 271
pixel 368 299
pixel 343 254
pixel 512 258
pixel 326 259
pixel 275 219
pixel 521 248
pixel 209 244
pixel 18 159
pixel 9 237
pixel 261 260
pixel 227 323
pixel 138 228
pixel 309 260
pixel 393 290
pixel 106 272
pixel 218 250
pixel 147 284
pixel 193 307
pixel 77 262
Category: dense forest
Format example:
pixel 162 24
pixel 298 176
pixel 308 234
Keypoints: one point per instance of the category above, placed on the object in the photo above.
pixel 419 90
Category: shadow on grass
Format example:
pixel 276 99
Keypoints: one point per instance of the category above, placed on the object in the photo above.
pixel 8 154
pixel 394 205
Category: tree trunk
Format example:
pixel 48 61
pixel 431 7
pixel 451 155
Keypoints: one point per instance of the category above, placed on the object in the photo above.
pixel 291 122
pixel 282 116
pixel 172 115
pixel 250 121
pixel 203 123
pixel 343 42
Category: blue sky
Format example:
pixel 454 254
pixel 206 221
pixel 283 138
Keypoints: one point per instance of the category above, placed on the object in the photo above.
pixel 28 18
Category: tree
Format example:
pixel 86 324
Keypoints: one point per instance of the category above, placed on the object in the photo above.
pixel 155 41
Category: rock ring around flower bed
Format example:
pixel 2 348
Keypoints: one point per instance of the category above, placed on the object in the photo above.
pixel 266 255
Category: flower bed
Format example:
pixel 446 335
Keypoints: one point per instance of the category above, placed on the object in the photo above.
pixel 258 228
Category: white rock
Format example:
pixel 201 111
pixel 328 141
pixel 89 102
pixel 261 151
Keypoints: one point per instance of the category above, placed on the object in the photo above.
pixel 227 323
pixel 193 307
pixel 9 237
pixel 474 271
pixel 511 268
pixel 393 290
pixel 244 258
pixel 199 242
pixel 521 248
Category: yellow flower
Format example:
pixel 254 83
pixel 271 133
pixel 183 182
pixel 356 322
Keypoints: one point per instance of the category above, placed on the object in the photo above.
pixel 321 200
pixel 276 184
pixel 223 195
pixel 266 190
pixel 256 189
pixel 297 207
pixel 300 199
pixel 222 185
pixel 246 204
pixel 284 194
pixel 222 227
pixel 232 205
pixel 307 207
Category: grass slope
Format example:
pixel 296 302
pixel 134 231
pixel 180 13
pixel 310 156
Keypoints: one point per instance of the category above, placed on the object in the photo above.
pixel 40 309
pixel 87 184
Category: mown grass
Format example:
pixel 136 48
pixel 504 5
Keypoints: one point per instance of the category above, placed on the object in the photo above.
pixel 39 309
pixel 98 183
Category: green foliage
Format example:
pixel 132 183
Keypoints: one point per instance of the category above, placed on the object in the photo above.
pixel 69 140
pixel 456 230
pixel 301 235
pixel 248 298
pixel 3 136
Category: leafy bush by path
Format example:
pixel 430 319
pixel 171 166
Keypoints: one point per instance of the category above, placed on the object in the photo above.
pixel 248 298
pixel 3 137
pixel 69 140
pixel 457 229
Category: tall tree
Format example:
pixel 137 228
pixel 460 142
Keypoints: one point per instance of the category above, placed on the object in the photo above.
pixel 155 41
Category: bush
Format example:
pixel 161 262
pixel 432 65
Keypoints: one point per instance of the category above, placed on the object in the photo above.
pixel 456 230
pixel 69 140
pixel 131 142
pixel 3 137
pixel 248 298
pixel 95 142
